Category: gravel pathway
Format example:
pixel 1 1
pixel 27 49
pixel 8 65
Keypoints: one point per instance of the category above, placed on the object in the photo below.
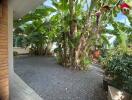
pixel 54 82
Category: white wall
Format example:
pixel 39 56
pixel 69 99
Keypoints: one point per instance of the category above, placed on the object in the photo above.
pixel 20 50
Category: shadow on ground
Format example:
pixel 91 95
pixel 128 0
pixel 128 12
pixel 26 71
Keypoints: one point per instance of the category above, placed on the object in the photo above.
pixel 54 82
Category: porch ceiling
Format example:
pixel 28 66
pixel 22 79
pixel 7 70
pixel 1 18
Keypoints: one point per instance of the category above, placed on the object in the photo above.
pixel 22 7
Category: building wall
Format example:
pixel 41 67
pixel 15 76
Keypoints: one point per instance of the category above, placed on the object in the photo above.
pixel 4 85
pixel 20 50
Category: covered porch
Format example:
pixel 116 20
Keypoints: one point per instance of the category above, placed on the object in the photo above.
pixel 11 85
pixel 80 39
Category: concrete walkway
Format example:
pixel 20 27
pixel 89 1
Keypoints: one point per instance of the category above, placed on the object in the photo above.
pixel 54 82
pixel 19 90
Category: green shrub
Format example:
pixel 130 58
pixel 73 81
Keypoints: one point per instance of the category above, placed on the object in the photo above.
pixel 85 62
pixel 59 59
pixel 120 69
pixel 15 53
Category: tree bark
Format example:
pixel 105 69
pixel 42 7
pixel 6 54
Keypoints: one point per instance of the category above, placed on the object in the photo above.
pixel 73 30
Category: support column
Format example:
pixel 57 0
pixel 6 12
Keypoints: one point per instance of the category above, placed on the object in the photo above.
pixel 4 86
pixel 10 47
pixel 10 39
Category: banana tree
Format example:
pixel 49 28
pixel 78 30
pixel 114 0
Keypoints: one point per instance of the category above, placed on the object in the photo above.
pixel 76 26
pixel 76 41
pixel 36 28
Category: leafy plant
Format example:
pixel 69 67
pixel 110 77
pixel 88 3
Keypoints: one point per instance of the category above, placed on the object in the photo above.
pixel 120 69
pixel 15 53
pixel 76 26
pixel 85 62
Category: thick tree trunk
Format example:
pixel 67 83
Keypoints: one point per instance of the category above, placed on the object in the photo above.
pixel 80 50
pixel 48 48
pixel 73 30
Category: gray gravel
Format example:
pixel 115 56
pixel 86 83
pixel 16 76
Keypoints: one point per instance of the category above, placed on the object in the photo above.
pixel 54 82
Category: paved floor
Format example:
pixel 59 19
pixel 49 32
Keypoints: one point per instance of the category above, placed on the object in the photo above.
pixel 19 90
pixel 54 82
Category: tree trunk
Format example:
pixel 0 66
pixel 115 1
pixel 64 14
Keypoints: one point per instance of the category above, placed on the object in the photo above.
pixel 73 30
pixel 65 49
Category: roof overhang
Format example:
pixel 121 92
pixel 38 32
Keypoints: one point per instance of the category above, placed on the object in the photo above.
pixel 22 7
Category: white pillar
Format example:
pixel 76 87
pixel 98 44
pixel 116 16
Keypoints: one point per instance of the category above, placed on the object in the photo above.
pixel 10 40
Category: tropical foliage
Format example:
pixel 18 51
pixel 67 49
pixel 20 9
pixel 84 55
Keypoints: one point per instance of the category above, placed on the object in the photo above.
pixel 77 27
pixel 120 69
